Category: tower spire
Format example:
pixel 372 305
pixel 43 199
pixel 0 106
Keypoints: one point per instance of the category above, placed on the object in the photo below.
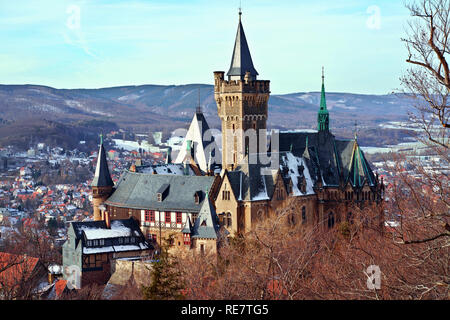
pixel 102 177
pixel 323 116
pixel 241 62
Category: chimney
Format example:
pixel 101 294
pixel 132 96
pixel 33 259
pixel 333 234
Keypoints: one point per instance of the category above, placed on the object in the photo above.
pixel 107 220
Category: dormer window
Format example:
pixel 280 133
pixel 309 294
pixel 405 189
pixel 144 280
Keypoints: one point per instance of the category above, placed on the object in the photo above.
pixel 197 197
pixel 162 192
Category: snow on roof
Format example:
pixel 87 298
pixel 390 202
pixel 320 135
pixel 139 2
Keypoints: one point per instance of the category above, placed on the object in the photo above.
pixel 116 248
pixel 293 163
pixel 117 230
pixel 263 194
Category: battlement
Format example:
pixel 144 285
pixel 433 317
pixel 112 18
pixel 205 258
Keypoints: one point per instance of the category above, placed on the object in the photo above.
pixel 231 86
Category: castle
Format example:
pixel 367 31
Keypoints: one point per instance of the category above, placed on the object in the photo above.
pixel 200 199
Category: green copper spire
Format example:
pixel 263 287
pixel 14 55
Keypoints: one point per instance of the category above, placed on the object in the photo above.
pixel 323 117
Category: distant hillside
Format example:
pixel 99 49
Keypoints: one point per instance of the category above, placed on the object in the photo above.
pixel 151 107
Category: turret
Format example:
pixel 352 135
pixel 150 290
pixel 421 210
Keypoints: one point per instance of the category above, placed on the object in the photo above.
pixel 102 184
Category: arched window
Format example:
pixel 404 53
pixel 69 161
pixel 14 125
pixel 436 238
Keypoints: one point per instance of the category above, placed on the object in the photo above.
pixel 260 214
pixel 330 220
pixel 229 221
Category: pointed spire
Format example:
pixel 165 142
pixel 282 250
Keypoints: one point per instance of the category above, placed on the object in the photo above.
pixel 323 117
pixel 306 151
pixel 102 177
pixel 241 62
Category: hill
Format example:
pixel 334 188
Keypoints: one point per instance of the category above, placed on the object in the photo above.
pixel 156 107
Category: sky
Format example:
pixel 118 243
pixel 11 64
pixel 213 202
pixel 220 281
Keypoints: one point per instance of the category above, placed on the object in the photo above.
pixel 105 43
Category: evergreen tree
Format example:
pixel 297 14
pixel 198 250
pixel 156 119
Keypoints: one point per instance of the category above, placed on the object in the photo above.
pixel 166 281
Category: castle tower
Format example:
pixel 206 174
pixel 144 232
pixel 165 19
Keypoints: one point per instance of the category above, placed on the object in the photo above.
pixel 102 184
pixel 242 104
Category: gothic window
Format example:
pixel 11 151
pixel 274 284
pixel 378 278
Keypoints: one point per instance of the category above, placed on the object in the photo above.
pixel 292 219
pixel 330 220
pixel 229 221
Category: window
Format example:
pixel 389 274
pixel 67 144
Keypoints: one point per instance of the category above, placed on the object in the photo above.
pixel 197 197
pixel 330 220
pixel 229 219
pixel 168 219
pixel 120 240
pixel 178 217
pixel 149 215
pixel 304 214
pixel 187 239
pixel 292 219
pixel 126 240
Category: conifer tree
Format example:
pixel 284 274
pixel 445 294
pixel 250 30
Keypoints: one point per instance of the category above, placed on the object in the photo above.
pixel 166 283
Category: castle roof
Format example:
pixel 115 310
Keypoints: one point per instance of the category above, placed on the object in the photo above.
pixel 140 191
pixel 333 162
pixel 241 62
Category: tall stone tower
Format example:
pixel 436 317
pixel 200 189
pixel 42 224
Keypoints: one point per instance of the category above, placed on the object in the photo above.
pixel 102 184
pixel 242 103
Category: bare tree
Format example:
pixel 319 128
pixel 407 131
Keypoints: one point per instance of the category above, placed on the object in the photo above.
pixel 429 79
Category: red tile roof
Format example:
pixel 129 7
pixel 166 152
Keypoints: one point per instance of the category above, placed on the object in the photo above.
pixel 60 285
pixel 15 267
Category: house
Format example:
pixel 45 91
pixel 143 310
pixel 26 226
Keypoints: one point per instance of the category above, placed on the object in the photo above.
pixel 92 245
pixel 163 204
